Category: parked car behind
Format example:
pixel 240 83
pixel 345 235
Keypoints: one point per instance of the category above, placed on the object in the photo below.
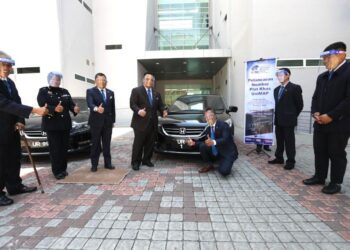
pixel 79 135
pixel 186 120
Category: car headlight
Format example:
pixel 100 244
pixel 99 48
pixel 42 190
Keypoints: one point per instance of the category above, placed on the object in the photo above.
pixel 79 125
pixel 229 122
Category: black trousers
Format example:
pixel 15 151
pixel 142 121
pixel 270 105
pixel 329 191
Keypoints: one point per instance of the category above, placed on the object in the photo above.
pixel 98 135
pixel 330 147
pixel 285 138
pixel 10 165
pixel 225 164
pixel 58 146
pixel 142 148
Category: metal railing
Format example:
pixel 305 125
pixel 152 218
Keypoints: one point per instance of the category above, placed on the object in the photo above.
pixel 305 122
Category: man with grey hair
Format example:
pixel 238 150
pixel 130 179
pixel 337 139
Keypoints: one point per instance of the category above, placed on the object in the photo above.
pixel 12 114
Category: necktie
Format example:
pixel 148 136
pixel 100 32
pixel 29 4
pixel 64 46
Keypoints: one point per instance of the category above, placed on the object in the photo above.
pixel 7 86
pixel 149 94
pixel 280 92
pixel 330 74
pixel 214 150
pixel 104 96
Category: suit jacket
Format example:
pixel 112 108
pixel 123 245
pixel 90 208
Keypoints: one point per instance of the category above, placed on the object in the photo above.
pixel 224 140
pixel 139 100
pixel 11 111
pixel 94 98
pixel 56 121
pixel 332 97
pixel 288 108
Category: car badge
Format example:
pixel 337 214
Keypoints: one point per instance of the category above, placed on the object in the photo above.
pixel 182 131
pixel 43 133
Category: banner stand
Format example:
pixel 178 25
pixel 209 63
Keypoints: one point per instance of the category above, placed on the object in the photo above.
pixel 262 151
pixel 260 81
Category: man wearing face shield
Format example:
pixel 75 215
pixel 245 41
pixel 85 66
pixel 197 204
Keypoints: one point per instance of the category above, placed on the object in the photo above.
pixel 57 123
pixel 288 105
pixel 12 114
pixel 217 145
pixel 330 109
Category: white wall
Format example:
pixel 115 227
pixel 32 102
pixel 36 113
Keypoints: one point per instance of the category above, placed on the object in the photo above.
pixel 77 50
pixel 30 34
pixel 120 22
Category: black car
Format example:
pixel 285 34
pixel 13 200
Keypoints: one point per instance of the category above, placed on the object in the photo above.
pixel 186 120
pixel 79 135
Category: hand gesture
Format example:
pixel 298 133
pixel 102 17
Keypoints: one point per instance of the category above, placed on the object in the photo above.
pixel 209 142
pixel 76 109
pixel 190 142
pixel 324 119
pixel 59 108
pixel 165 113
pixel 41 111
pixel 100 109
pixel 142 112
pixel 19 126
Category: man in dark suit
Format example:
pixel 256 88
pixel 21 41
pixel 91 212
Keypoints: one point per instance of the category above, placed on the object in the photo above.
pixel 101 103
pixel 288 105
pixel 145 102
pixel 331 111
pixel 12 114
pixel 217 146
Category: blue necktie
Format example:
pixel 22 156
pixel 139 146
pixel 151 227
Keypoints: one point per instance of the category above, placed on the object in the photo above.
pixel 330 74
pixel 149 96
pixel 214 150
pixel 104 96
pixel 280 92
pixel 7 86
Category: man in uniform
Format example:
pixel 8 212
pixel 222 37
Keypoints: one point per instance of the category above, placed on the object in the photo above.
pixel 12 114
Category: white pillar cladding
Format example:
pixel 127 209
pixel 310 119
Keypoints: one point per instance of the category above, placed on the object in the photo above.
pixel 123 23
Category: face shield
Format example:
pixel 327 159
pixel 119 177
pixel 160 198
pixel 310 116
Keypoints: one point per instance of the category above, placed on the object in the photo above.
pixel 282 75
pixel 54 79
pixel 332 58
pixel 7 61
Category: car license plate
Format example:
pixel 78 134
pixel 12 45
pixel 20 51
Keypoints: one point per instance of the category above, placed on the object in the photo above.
pixel 39 144
pixel 181 142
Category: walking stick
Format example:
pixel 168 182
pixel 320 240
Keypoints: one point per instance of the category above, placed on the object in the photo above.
pixel 31 159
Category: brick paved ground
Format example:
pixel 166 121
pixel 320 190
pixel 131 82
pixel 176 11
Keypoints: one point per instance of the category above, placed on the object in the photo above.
pixel 171 206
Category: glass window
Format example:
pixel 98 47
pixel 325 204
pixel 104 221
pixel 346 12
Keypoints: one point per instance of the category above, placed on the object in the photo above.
pixel 183 24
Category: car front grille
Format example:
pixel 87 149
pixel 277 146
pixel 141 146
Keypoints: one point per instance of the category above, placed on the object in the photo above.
pixel 35 133
pixel 183 131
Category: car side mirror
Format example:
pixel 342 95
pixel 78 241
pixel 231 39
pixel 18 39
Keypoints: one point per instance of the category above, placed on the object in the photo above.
pixel 232 109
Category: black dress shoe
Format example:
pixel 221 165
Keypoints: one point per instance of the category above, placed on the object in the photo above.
pixel 136 166
pixel 267 148
pixel 22 190
pixel 148 163
pixel 110 167
pixel 94 169
pixel 289 166
pixel 5 201
pixel 314 181
pixel 276 161
pixel 65 173
pixel 331 188
pixel 60 176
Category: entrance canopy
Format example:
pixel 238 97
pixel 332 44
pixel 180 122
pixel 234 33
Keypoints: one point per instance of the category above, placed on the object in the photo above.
pixel 185 64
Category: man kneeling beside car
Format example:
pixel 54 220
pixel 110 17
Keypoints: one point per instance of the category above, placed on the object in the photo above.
pixel 217 146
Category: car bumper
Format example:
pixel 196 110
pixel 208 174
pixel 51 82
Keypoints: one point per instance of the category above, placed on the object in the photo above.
pixel 78 141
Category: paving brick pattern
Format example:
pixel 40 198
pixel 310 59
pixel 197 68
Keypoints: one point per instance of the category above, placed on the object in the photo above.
pixel 172 206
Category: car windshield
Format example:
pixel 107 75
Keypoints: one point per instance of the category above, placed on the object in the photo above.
pixel 197 104
pixel 81 102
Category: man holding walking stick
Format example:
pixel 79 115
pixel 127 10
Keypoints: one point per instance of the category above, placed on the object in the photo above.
pixel 12 114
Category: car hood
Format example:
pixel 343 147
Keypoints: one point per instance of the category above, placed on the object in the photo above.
pixel 34 123
pixel 182 118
